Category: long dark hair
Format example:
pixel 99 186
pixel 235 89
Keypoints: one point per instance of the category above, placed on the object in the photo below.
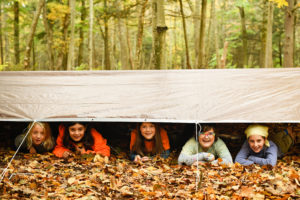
pixel 139 145
pixel 87 140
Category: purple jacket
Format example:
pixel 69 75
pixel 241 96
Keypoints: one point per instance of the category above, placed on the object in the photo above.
pixel 267 156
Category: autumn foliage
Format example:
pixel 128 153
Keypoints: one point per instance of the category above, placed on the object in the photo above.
pixel 87 177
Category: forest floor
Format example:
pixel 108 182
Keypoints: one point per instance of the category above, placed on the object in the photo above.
pixel 88 177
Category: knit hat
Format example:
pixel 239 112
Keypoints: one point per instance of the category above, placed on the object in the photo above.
pixel 258 130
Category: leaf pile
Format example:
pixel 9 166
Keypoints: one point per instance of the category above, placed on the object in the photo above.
pixel 84 177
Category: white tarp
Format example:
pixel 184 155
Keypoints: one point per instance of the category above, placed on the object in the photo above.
pixel 229 95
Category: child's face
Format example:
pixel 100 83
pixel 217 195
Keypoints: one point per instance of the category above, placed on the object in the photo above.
pixel 147 130
pixel 256 143
pixel 77 132
pixel 38 135
pixel 207 139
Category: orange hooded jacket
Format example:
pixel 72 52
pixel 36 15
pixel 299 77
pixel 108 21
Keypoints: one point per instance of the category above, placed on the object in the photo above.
pixel 99 146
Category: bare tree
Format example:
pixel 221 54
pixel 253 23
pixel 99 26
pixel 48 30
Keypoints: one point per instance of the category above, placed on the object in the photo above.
pixel 16 32
pixel 91 39
pixel 201 57
pixel 49 37
pixel 139 36
pixel 71 56
pixel 159 31
pixel 266 49
pixel 188 66
pixel 31 34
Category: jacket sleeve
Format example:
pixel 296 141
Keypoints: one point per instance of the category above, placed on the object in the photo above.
pixel 223 152
pixel 242 156
pixel 190 159
pixel 165 139
pixel 100 146
pixel 18 141
pixel 271 157
pixel 59 148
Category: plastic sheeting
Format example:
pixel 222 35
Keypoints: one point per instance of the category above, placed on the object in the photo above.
pixel 229 95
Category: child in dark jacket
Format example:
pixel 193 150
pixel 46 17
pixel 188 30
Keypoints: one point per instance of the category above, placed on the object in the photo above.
pixel 39 139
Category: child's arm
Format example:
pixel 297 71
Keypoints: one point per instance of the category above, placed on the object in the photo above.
pixel 100 146
pixel 242 156
pixel 271 157
pixel 59 149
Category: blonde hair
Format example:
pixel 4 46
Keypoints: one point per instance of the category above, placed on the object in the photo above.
pixel 48 144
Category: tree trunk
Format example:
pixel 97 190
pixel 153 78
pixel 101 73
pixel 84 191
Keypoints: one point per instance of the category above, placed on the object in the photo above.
pixel 266 50
pixel 7 55
pixel 91 39
pixel 131 62
pixel 201 57
pixel 288 60
pixel 81 35
pixel 31 34
pixel 33 56
pixel 196 22
pixel 217 40
pixel 1 41
pixel 159 31
pixel 139 37
pixel 49 37
pixel 106 43
pixel 123 44
pixel 210 31
pixel 224 56
pixel 64 54
pixel 16 32
pixel 244 37
pixel 71 56
pixel 188 66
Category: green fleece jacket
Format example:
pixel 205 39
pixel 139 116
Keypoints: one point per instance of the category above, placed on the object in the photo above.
pixel 192 149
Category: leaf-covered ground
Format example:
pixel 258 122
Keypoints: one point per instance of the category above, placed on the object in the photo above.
pixel 86 177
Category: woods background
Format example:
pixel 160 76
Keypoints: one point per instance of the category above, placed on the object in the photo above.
pixel 148 34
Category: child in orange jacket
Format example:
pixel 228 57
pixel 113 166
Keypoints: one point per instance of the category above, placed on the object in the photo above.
pixel 78 137
pixel 148 140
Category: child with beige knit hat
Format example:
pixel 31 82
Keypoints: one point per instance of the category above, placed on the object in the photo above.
pixel 257 149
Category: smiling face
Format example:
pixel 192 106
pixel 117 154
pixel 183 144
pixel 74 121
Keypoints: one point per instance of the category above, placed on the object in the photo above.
pixel 147 130
pixel 38 135
pixel 77 132
pixel 256 143
pixel 206 139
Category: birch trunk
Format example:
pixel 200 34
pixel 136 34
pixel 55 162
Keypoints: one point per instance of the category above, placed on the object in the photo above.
pixel 31 34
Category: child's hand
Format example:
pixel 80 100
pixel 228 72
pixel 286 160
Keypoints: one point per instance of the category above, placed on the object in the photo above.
pixel 66 154
pixel 209 157
pixel 32 150
pixel 137 158
pixel 145 158
pixel 80 148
